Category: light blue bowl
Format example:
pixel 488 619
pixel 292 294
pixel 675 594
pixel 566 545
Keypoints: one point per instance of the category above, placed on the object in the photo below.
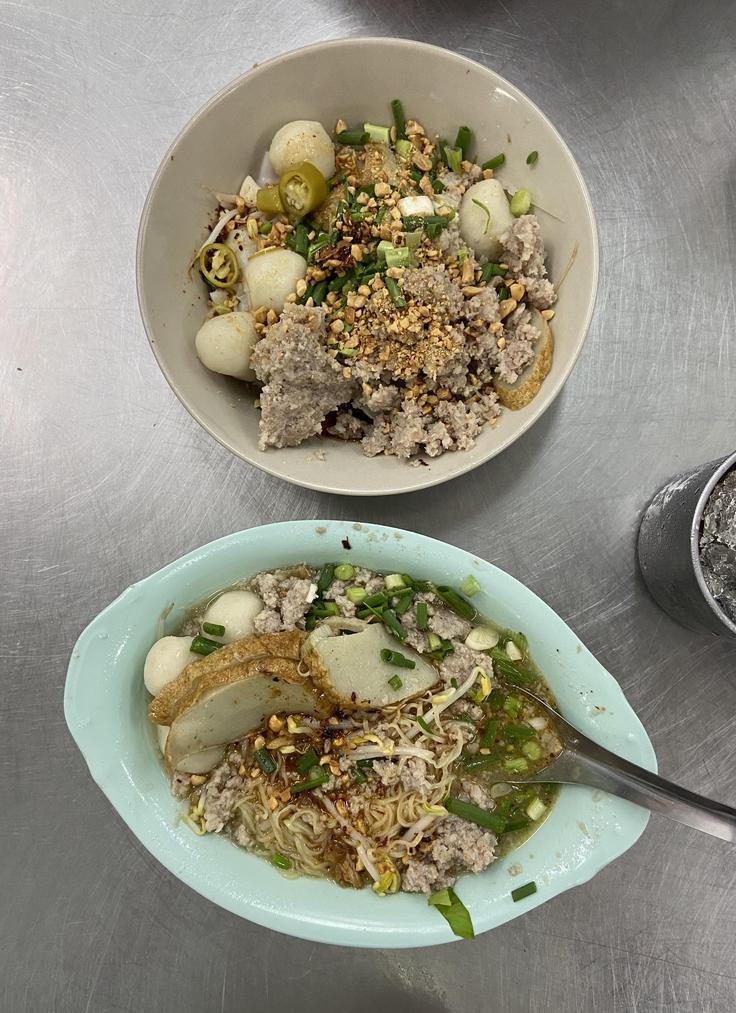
pixel 105 707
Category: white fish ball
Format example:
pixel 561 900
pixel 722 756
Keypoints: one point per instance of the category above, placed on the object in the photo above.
pixel 224 344
pixel 484 217
pixel 167 658
pixel 271 276
pixel 235 610
pixel 302 141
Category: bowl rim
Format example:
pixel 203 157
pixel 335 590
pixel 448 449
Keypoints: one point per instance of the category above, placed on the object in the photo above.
pixel 113 633
pixel 461 465
pixel 719 471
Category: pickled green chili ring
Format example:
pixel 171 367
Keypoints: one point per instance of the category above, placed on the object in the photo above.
pixel 268 200
pixel 219 265
pixel 302 189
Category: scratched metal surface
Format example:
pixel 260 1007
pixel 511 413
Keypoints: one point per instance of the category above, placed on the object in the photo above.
pixel 105 477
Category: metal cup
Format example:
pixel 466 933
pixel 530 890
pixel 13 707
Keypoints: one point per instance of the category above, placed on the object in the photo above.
pixel 669 549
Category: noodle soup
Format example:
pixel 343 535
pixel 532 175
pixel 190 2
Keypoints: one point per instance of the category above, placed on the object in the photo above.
pixel 368 728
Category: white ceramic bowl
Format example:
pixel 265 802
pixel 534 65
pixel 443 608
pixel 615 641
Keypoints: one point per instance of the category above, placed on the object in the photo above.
pixel 105 705
pixel 356 79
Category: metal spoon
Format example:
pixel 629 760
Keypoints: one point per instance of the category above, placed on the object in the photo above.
pixel 583 761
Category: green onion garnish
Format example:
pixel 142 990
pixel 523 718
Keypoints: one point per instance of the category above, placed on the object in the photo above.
pixel 495 699
pixel 503 292
pixel 518 733
pixel 474 814
pixel 489 271
pixel 382 212
pixel 524 891
pixel 511 672
pixel 396 658
pixel 323 609
pixel 532 157
pixel 494 163
pixel 394 581
pixel 301 240
pixel 376 600
pixel 344 571
pixel 358 775
pixel 516 637
pixel 214 629
pixel 265 761
pixel 403 148
pixel 280 861
pixel 512 706
pixel 403 602
pixel 356 594
pixel 395 682
pixel 319 292
pixel 398 256
pixel 424 726
pixel 376 133
pixel 517 764
pixel 454 157
pixel 397 111
pixel 489 734
pixel 453 911
pixel 532 749
pixel 438 186
pixel 305 763
pixel 315 780
pixel 513 823
pixel 265 227
pixel 395 292
pixel 456 602
pixel 365 764
pixel 470 586
pixel 435 641
pixel 462 141
pixel 520 203
pixel 352 137
pixel 202 645
pixel 390 620
pixel 326 576
pixel 422 615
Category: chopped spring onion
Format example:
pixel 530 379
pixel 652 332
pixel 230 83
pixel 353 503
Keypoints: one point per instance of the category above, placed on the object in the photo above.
pixel 323 609
pixel 513 651
pixel 404 148
pixel 532 749
pixel 536 809
pixel 494 163
pixel 512 706
pixel 398 256
pixel 532 157
pixel 344 571
pixel 437 185
pixel 491 270
pixel 202 645
pixel 281 861
pixel 453 157
pixel 462 141
pixel 376 133
pixel 390 620
pixel 412 240
pixel 453 911
pixel 516 638
pixel 524 891
pixel 474 814
pixel 489 734
pixel 518 733
pixel 511 672
pixel 456 602
pixel 481 638
pixel 395 682
pixel 319 292
pixel 358 775
pixel 222 310
pixel 504 292
pixel 265 227
pixel 376 600
pixel 214 629
pixel 516 763
pixel 395 292
pixel 356 594
pixel 315 780
pixel 470 586
pixel 403 602
pixel 422 615
pixel 301 240
pixel 352 137
pixel 424 726
pixel 305 763
pixel 265 761
pixel 495 700
pixel 520 822
pixel 397 658
pixel 394 581
pixel 484 208
pixel 520 203
pixel 326 576
pixel 397 111
pixel 435 642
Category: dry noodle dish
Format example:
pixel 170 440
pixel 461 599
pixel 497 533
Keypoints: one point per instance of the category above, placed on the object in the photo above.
pixel 367 728
pixel 382 287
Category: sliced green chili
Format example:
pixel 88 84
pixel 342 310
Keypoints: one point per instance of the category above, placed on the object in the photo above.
pixel 219 265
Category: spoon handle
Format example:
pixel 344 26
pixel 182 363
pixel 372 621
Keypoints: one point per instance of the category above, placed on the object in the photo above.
pixel 585 762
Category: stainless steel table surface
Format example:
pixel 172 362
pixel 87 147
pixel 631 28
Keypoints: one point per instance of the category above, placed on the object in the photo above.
pixel 105 478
